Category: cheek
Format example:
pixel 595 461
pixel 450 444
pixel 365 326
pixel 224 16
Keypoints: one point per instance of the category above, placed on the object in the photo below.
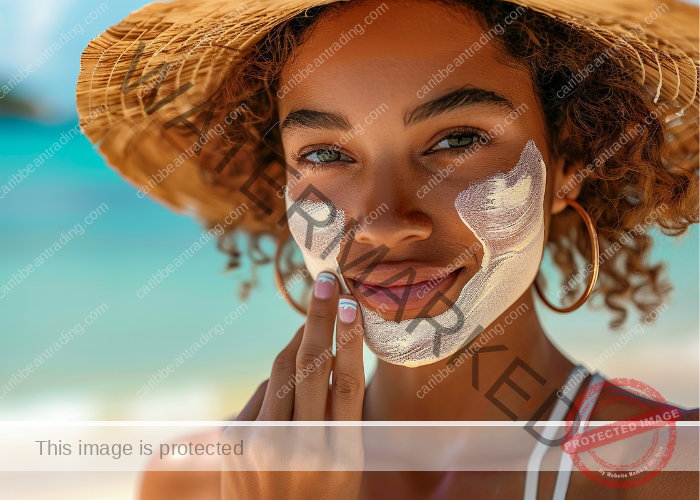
pixel 318 228
pixel 314 224
pixel 550 196
pixel 322 185
pixel 506 210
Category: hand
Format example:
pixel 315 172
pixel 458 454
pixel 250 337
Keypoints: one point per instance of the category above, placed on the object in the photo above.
pixel 310 461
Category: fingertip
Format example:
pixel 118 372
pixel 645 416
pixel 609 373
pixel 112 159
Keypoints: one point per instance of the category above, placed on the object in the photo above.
pixel 350 327
pixel 325 286
pixel 347 310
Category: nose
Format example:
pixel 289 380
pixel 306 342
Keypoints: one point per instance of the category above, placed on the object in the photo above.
pixel 391 216
pixel 393 229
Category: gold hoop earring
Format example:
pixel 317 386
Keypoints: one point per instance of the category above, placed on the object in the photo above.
pixel 279 281
pixel 595 251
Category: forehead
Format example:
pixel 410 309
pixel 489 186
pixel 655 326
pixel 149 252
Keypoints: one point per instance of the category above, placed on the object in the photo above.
pixel 392 52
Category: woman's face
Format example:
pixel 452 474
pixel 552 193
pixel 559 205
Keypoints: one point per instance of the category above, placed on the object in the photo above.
pixel 378 122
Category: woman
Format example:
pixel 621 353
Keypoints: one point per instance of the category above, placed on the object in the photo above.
pixel 422 153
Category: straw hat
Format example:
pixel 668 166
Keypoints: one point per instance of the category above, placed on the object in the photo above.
pixel 145 137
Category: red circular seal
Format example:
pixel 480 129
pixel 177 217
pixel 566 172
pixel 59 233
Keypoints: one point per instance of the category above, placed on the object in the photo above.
pixel 593 449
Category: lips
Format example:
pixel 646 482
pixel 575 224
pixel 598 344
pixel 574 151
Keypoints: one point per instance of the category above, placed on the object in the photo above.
pixel 413 297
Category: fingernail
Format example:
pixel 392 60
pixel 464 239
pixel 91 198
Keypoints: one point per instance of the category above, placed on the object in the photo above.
pixel 347 310
pixel 325 285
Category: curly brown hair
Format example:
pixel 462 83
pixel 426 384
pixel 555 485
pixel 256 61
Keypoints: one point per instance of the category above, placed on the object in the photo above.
pixel 627 188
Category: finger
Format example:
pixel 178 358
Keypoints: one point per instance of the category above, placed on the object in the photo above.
pixel 279 397
pixel 348 368
pixel 251 410
pixel 315 355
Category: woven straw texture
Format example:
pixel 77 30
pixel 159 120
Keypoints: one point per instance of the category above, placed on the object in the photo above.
pixel 202 40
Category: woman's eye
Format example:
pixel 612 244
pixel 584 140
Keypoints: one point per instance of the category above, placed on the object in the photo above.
pixel 456 141
pixel 326 156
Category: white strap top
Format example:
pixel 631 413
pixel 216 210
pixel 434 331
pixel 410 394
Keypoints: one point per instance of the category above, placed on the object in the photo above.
pixel 565 464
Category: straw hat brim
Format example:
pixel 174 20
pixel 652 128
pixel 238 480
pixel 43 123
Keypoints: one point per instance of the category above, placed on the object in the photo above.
pixel 141 136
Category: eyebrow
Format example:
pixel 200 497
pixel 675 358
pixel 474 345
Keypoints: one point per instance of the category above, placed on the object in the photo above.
pixel 320 120
pixel 460 98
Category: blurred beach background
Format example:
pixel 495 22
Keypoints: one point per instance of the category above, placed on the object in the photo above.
pixel 97 375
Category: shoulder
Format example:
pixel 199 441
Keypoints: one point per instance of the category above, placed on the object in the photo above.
pixel 188 478
pixel 676 484
pixel 616 404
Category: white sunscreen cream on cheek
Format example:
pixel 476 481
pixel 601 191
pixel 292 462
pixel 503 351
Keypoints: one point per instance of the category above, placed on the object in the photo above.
pixel 317 227
pixel 504 211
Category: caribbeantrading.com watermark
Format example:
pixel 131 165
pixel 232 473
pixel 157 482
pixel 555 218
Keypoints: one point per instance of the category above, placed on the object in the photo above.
pixel 347 136
pixel 485 38
pixel 50 251
pixel 217 30
pixel 464 353
pixel 195 149
pixel 188 353
pixel 66 136
pixel 345 37
pixel 78 29
pixel 317 361
pixel 78 330
pixel 636 231
pixel 303 273
pixel 375 254
pixel 259 174
pixel 626 137
pixel 610 53
pixel 496 131
pixel 436 279
pixel 206 237
pixel 610 351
